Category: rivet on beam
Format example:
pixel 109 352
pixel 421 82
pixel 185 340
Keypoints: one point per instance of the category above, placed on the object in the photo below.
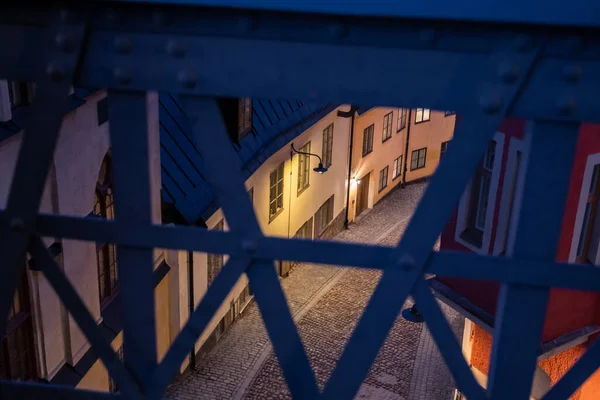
pixel 55 72
pixel 572 73
pixel 247 23
pixel 122 75
pixel 176 49
pixel 123 45
pixel 406 262
pixel 522 42
pixel 490 104
pixel 64 43
pixel 338 31
pixel 187 79
pixel 508 72
pixel 428 36
pixel 566 105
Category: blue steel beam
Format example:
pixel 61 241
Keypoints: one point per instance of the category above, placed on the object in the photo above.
pixel 547 170
pixel 35 154
pixel 43 391
pixel 443 263
pixel 132 200
pixel 579 13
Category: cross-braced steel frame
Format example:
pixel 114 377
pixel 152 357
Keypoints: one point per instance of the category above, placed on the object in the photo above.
pixel 486 63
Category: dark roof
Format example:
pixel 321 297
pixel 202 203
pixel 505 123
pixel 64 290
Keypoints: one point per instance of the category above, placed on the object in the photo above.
pixel 274 124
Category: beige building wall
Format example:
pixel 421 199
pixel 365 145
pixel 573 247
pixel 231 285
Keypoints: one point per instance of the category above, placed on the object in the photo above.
pixel 297 208
pixel 69 190
pixel 430 135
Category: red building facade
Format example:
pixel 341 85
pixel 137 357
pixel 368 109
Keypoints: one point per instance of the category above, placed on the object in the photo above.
pixel 484 223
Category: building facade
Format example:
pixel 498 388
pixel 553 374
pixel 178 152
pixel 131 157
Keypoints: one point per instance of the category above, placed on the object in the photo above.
pixel 42 341
pixel 393 146
pixel 484 223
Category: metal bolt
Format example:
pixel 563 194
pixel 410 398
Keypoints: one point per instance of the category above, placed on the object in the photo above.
pixel 522 42
pixel 247 23
pixel 176 48
pixel 338 31
pixel 491 104
pixel 17 224
pixel 572 73
pixel 406 262
pixel 250 245
pixel 123 76
pixel 566 105
pixel 188 79
pixel 509 72
pixel 55 72
pixel 428 36
pixel 123 45
pixel 65 43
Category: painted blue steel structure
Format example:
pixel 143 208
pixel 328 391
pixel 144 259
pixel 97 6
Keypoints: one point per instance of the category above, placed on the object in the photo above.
pixel 456 57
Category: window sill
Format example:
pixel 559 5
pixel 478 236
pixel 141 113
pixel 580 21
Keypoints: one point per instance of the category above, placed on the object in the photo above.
pixel 396 177
pixel 383 188
pixel 473 236
pixel 302 190
pixel 422 122
pixel 272 217
pixel 386 139
pixel 366 154
pixel 401 129
pixel 417 168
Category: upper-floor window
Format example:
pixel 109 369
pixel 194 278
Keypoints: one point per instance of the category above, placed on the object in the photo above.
pixel 422 115
pixel 397 168
pixel 418 158
pixel 589 236
pixel 327 151
pixel 306 230
pixel 214 261
pixel 368 140
pixel 402 117
pixel 448 113
pixel 19 93
pixel 17 354
pixel 387 127
pixel 244 117
pixel 480 197
pixel 276 192
pixel 108 271
pixel 443 148
pixel 324 216
pixel 303 167
pixel 383 178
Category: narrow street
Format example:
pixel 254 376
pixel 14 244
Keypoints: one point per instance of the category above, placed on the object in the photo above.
pixel 326 303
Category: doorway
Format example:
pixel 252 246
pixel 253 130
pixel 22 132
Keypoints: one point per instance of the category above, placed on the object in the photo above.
pixel 362 197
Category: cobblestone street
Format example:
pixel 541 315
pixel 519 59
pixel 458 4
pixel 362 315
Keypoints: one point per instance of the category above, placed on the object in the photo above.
pixel 326 303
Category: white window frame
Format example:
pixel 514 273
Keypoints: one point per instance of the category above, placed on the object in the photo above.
pixel 504 241
pixel 592 161
pixel 463 207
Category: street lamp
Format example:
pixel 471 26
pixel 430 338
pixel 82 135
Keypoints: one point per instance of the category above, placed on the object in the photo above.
pixel 320 169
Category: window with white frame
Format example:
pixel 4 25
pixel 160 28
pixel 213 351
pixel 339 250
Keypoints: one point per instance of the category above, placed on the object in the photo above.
pixel 387 127
pixel 402 117
pixel 368 140
pixel 383 178
pixel 418 158
pixel 422 115
pixel 276 192
pixel 397 168
pixel 327 148
pixel 303 167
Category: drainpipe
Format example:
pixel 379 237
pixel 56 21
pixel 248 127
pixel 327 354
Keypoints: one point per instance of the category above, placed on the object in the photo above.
pixel 348 114
pixel 406 147
pixel 191 303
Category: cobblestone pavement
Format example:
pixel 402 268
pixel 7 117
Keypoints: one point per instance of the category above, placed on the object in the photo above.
pixel 327 302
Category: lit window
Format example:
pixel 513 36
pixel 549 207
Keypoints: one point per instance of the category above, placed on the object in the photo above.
pixel 303 167
pixel 368 140
pixel 108 269
pixel 422 115
pixel 387 127
pixel 402 112
pixel 383 178
pixel 397 168
pixel 327 151
pixel 418 158
pixel 276 192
